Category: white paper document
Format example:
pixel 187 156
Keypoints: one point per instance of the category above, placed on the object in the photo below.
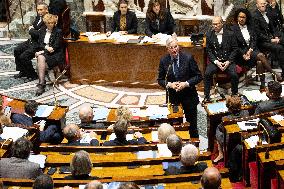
pixel 278 118
pixel 163 150
pixel 245 125
pixel 13 133
pixel 40 159
pixel 252 141
pixel 255 95
pixel 44 111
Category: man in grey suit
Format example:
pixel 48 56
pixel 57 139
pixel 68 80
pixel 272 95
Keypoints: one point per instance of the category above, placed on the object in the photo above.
pixel 18 166
pixel 274 90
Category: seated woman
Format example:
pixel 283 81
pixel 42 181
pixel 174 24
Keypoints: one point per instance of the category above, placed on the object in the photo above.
pixel 233 104
pixel 248 54
pixel 157 20
pixel 50 52
pixel 81 167
pixel 123 20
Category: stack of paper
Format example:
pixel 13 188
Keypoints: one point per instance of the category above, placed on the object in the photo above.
pixel 13 133
pixel 93 38
pixel 244 126
pixel 252 141
pixel 146 154
pixel 40 159
pixel 44 111
pixel 218 107
pixel 163 150
pixel 255 95
pixel 100 113
pixel 157 112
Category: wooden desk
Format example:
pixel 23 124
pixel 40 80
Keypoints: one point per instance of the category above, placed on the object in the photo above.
pixel 136 65
pixel 57 116
pixel 280 174
pixel 266 167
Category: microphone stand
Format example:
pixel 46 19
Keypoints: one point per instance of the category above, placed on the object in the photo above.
pixel 259 142
pixel 55 82
pixel 167 90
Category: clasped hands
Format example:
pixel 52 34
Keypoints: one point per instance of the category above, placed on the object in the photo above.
pixel 177 86
pixel 222 65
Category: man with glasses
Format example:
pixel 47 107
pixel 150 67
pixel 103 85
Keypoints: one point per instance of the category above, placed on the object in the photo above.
pixel 221 50
pixel 179 73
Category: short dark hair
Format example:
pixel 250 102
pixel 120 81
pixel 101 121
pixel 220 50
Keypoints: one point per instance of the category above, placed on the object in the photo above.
pixel 274 87
pixel 22 148
pixel 211 180
pixel 31 107
pixel 174 143
pixel 128 185
pixel 120 128
pixel 234 103
pixel 43 182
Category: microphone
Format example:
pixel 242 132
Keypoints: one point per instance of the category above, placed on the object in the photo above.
pixel 166 81
pixel 55 82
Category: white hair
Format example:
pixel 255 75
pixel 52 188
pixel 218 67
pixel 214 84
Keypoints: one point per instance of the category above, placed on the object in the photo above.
pixel 164 131
pixel 85 113
pixel 171 40
pixel 189 155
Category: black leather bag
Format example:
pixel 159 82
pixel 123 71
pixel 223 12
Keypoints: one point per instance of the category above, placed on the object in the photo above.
pixel 272 131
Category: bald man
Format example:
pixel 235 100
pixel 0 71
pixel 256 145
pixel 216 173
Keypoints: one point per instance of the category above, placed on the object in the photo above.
pixel 94 185
pixel 221 49
pixel 86 116
pixel 268 37
pixel 211 178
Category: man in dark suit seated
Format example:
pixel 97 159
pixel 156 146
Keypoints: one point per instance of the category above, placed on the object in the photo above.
pixel 86 116
pixel 222 49
pixel 274 90
pixel 174 143
pixel 43 182
pixel 187 163
pixel 75 137
pixel 18 166
pixel 211 178
pixel 25 51
pixel 120 130
pixel 52 133
pixel 268 37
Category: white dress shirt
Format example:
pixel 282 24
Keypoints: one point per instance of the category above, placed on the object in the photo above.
pixel 245 32
pixel 47 36
pixel 219 36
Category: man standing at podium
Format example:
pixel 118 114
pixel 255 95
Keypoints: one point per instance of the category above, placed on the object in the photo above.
pixel 178 74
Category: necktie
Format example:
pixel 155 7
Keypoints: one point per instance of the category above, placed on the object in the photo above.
pixel 176 68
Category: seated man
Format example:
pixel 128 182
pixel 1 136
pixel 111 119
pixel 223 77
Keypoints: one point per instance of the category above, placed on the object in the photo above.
pixel 18 166
pixel 274 90
pixel 211 178
pixel 221 49
pixel 25 51
pixel 52 133
pixel 120 130
pixel 187 164
pixel 86 116
pixel 164 131
pixel 43 182
pixel 174 143
pixel 73 134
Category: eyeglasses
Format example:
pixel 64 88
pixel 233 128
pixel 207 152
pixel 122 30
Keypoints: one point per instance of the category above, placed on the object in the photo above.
pixel 173 47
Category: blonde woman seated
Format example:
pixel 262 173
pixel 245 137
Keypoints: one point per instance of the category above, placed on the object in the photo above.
pixel 50 53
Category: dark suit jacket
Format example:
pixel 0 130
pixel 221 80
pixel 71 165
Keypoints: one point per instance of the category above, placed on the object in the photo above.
pixel 176 170
pixel 52 134
pixel 37 26
pixel 227 50
pixel 22 119
pixel 93 142
pixel 263 30
pixel 124 142
pixel 166 26
pixel 131 22
pixel 19 168
pixel 188 72
pixel 276 17
pixel 269 105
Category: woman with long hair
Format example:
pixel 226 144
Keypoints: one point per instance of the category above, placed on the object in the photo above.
pixel 158 20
